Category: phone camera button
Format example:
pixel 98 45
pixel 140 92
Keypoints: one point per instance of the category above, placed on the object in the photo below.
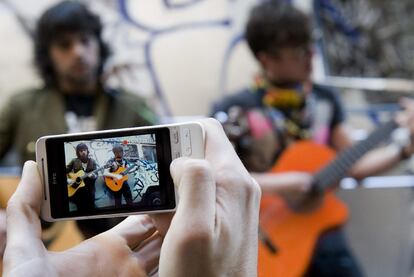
pixel 186 140
pixel 186 133
pixel 187 151
pixel 175 136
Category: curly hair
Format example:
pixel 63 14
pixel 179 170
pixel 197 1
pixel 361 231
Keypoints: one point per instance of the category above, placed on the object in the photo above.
pixel 62 18
pixel 275 24
pixel 81 146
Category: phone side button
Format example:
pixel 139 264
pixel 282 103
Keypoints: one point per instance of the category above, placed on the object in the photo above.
pixel 186 142
pixel 177 154
pixel 43 178
pixel 175 136
pixel 186 132
pixel 187 151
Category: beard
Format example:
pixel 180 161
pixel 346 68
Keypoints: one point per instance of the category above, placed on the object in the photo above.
pixel 78 78
pixel 81 80
pixel 84 159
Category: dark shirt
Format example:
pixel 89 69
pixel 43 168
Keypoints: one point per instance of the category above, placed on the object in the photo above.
pixel 251 98
pixel 81 105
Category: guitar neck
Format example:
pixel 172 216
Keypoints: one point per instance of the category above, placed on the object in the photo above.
pixel 94 171
pixel 339 168
pixel 129 169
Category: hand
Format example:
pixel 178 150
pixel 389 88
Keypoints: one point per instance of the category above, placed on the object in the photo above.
pixel 129 249
pixel 93 176
pixel 114 166
pixel 214 231
pixel 296 186
pixel 406 119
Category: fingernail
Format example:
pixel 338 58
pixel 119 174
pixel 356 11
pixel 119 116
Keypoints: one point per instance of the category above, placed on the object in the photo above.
pixel 147 223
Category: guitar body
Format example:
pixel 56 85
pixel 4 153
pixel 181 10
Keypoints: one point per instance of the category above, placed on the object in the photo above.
pixel 76 178
pixel 295 233
pixel 116 184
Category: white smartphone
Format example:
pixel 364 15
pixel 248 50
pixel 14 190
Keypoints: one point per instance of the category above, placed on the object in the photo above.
pixel 114 172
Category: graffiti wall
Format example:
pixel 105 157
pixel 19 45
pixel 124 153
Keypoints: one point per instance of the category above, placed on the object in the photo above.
pixel 367 38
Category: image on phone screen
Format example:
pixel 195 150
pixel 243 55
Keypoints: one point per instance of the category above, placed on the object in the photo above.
pixel 112 173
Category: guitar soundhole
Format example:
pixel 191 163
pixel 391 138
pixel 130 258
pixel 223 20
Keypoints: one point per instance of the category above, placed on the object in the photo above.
pixel 77 182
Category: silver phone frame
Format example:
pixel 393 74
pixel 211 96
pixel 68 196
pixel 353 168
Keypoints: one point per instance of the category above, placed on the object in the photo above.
pixel 179 148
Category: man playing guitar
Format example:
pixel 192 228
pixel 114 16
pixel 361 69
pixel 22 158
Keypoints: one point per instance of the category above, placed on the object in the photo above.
pixel 118 168
pixel 84 197
pixel 284 103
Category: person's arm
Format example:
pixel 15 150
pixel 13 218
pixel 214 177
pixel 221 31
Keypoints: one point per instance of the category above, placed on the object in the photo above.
pixel 69 167
pixel 377 161
pixel 289 182
pixel 382 158
pixel 94 166
pixel 373 162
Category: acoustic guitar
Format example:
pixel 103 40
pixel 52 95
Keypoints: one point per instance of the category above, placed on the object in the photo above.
pixel 116 179
pixel 75 180
pixel 289 232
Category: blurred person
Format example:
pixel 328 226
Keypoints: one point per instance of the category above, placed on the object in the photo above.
pixel 283 106
pixel 216 194
pixel 69 55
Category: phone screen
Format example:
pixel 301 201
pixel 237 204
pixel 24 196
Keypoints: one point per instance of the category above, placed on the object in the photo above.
pixel 119 172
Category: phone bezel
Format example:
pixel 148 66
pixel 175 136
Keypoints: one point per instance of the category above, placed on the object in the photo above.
pixel 56 173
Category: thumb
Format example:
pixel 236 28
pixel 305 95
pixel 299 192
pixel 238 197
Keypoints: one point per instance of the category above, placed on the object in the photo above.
pixel 29 190
pixel 196 189
pixel 23 224
pixel 197 193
